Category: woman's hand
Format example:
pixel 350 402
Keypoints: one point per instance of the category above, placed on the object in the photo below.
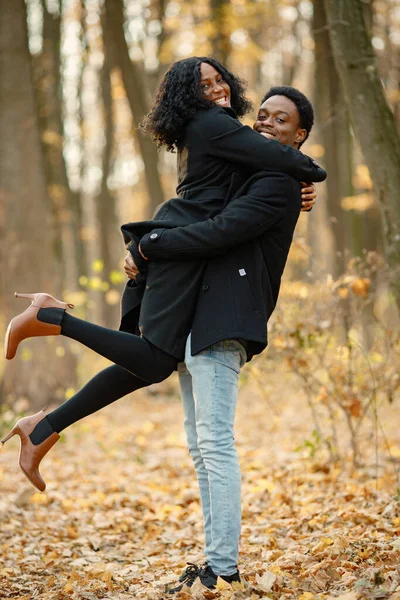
pixel 129 267
pixel 308 196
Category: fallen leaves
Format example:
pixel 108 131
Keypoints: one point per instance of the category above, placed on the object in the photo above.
pixel 120 519
pixel 266 581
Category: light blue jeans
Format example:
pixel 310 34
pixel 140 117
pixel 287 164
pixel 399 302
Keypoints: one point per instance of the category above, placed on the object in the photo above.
pixel 209 388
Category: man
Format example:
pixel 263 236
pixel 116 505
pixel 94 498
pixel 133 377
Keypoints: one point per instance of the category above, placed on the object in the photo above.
pixel 238 294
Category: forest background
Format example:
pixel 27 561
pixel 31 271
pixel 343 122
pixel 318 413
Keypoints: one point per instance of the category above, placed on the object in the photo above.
pixel 77 76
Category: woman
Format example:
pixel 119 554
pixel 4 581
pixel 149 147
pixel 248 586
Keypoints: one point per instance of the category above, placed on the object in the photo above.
pixel 197 97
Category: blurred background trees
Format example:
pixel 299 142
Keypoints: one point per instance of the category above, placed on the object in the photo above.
pixel 77 76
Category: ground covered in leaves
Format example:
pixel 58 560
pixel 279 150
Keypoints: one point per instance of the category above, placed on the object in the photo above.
pixel 121 515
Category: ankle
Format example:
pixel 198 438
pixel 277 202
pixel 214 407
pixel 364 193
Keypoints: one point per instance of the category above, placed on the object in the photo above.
pixel 52 316
pixel 41 432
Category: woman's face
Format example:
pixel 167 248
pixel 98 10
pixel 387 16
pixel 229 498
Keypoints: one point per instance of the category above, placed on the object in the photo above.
pixel 214 87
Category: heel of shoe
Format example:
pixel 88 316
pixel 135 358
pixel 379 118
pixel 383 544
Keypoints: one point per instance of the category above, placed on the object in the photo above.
pixel 27 296
pixel 14 431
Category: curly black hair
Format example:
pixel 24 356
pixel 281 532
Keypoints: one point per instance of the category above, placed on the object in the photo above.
pixel 179 96
pixel 304 106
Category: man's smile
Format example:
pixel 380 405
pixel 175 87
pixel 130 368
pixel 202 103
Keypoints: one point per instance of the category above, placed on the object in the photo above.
pixel 268 132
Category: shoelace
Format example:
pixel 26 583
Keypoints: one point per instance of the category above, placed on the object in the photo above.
pixel 188 576
pixel 190 573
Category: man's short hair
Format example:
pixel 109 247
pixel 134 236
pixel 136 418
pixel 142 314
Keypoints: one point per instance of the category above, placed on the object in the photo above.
pixel 303 105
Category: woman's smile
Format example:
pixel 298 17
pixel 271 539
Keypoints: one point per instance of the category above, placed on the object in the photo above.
pixel 214 86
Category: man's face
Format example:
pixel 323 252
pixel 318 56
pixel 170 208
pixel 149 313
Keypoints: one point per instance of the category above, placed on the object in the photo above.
pixel 278 119
pixel 214 87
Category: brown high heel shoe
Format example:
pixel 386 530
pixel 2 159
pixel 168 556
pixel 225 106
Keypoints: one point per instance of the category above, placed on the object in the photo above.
pixel 27 324
pixel 30 454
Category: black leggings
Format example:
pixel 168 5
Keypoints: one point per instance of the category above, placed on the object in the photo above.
pixel 135 354
pixel 138 363
pixel 106 387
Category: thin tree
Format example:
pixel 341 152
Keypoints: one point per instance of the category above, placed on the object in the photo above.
pixel 220 37
pixel 334 122
pixel 372 120
pixel 65 204
pixel 26 251
pixel 134 80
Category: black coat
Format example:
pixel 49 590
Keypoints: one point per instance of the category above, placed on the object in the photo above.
pixel 246 248
pixel 216 146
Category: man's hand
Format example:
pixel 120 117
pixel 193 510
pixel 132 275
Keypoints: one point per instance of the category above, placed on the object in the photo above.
pixel 140 250
pixel 308 196
pixel 129 267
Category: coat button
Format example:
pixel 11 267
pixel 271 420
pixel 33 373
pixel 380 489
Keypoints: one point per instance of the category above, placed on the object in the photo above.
pixel 205 288
pixel 154 236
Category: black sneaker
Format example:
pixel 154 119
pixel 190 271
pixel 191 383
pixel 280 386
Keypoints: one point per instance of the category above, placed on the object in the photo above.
pixel 206 575
pixel 209 579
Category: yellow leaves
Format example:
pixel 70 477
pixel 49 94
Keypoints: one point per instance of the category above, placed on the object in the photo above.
pixel 364 553
pixel 279 342
pixel 306 596
pixel 119 519
pixel 58 193
pixel 322 544
pixel 68 588
pixel 118 91
pixel 316 150
pixel 117 277
pixel 360 286
pixel 77 298
pixel 60 351
pixel 107 578
pixel 262 486
pixel 141 440
pixel 323 395
pixel 69 392
pixel 68 505
pixel 362 178
pixel 112 297
pixel 40 498
pixel 223 585
pixel 72 533
pixel 52 138
pixel 353 405
pixel 98 265
pixel 238 586
pixel 358 202
pixel 148 427
pixel 26 354
pixel 95 283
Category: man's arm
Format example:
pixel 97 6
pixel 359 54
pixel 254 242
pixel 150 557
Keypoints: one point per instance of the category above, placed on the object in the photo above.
pixel 245 218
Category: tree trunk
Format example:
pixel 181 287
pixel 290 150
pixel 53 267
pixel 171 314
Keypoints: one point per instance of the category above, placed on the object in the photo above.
pixel 157 10
pixel 26 251
pixel 110 241
pixel 64 203
pixel 373 122
pixel 138 96
pixel 335 129
pixel 220 38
